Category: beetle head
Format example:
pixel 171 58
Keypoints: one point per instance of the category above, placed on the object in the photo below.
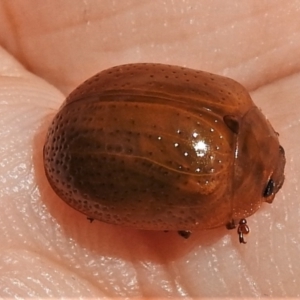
pixel 259 164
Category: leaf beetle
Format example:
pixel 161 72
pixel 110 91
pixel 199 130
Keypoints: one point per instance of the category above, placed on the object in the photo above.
pixel 161 147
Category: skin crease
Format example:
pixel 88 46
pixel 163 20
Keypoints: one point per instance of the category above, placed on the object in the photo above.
pixel 50 250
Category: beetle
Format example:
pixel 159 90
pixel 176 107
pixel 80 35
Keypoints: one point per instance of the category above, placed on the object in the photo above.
pixel 162 147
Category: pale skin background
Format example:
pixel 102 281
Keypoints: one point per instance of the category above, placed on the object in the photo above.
pixel 48 48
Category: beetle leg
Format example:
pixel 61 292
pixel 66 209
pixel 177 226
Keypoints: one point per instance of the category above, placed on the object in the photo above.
pixel 231 225
pixel 242 229
pixel 184 233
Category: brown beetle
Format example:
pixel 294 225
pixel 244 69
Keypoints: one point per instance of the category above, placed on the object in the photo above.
pixel 162 147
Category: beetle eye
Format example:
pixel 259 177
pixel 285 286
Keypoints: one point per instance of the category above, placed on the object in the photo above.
pixel 269 188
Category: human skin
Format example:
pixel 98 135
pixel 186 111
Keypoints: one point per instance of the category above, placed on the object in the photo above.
pixel 50 250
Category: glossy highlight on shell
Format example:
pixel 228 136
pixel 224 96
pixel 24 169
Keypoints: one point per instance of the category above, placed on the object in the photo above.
pixel 162 147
